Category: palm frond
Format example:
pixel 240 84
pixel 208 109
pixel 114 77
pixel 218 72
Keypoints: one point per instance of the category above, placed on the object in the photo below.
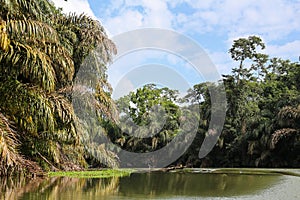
pixel 289 112
pixel 282 134
pixel 4 40
pixel 10 159
pixel 91 35
pixel 289 116
pixel 11 162
pixel 29 106
pixel 33 50
pixel 29 30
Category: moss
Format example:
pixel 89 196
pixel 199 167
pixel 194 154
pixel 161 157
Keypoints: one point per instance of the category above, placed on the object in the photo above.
pixel 105 173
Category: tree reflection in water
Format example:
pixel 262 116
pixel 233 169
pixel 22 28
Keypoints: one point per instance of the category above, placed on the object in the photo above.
pixel 54 188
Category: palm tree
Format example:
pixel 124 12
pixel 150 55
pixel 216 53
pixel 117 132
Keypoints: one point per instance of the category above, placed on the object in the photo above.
pixel 289 118
pixel 41 51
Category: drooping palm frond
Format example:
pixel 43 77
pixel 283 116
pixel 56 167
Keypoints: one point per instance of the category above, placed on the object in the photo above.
pixel 289 119
pixel 33 52
pixel 281 135
pixel 52 125
pixel 90 34
pixel 4 40
pixel 37 112
pixel 289 116
pixel 29 30
pixel 46 119
pixel 100 155
pixel 92 78
pixel 10 160
pixel 105 105
pixel 89 127
pixel 28 106
pixel 44 42
pixel 29 64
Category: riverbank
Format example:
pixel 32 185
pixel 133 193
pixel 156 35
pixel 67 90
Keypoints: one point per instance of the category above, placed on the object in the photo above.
pixel 108 173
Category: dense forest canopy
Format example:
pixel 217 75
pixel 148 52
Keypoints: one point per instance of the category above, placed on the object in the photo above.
pixel 41 53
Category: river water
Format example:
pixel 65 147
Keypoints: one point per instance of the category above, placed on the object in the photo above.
pixel 183 184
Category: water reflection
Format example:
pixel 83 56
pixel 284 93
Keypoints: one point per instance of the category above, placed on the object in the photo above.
pixel 139 186
pixel 191 184
pixel 58 188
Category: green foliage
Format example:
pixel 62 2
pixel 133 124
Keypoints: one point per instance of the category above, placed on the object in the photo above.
pixel 41 52
pixel 262 120
pixel 262 117
pixel 261 103
pixel 149 119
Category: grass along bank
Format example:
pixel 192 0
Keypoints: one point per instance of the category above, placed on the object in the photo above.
pixel 105 173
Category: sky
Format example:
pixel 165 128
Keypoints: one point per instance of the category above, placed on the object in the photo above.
pixel 212 24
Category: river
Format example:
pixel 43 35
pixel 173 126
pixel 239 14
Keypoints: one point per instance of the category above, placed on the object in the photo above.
pixel 189 184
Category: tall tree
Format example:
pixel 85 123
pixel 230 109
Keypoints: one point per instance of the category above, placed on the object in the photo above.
pixel 41 52
pixel 242 49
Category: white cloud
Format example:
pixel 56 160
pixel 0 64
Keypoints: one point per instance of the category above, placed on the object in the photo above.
pixel 273 20
pixel 135 14
pixel 286 51
pixel 128 20
pixel 77 6
pixel 157 14
pixel 224 17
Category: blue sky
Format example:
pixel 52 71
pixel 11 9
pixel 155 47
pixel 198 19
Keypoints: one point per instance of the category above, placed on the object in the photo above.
pixel 213 24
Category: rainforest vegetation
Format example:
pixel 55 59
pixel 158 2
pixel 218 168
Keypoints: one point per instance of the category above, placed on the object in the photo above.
pixel 41 52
